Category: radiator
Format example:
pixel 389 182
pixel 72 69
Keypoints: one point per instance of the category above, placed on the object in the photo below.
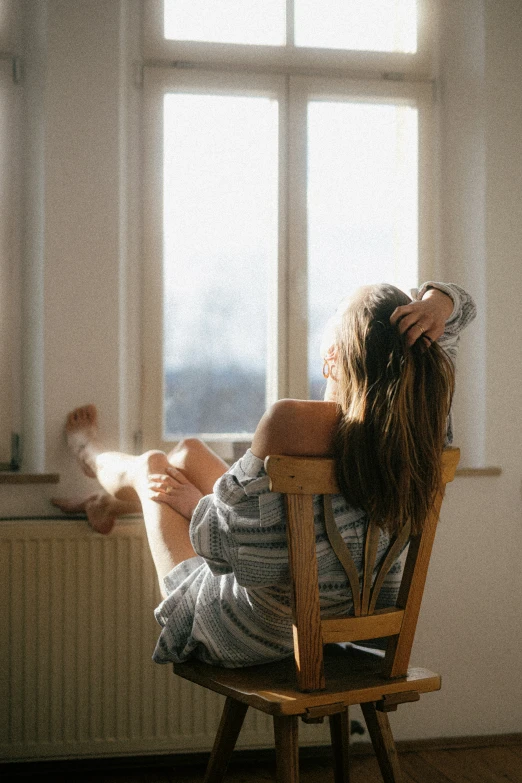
pixel 77 634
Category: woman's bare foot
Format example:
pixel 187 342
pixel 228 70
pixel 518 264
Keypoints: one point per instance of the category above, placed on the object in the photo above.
pixel 121 475
pixel 81 430
pixel 101 509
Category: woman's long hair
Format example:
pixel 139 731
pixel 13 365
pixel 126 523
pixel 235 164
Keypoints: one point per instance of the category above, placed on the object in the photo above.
pixel 394 402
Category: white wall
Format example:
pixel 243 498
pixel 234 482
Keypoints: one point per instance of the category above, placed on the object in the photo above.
pixel 82 250
pixel 471 626
pixel 81 275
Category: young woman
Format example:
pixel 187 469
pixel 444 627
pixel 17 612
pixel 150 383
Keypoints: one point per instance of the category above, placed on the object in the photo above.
pixel 217 535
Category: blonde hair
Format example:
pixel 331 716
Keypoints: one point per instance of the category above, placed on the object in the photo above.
pixel 394 402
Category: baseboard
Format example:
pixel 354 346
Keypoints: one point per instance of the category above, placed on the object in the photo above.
pixel 447 743
pixel 72 767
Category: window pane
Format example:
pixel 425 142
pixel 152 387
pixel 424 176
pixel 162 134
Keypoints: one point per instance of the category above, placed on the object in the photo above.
pixel 362 207
pixel 220 235
pixel 363 25
pixel 227 21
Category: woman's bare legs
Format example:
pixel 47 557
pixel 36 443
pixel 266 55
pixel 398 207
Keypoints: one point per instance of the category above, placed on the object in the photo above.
pixel 201 466
pixel 127 478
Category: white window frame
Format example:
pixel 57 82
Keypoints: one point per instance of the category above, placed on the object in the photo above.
pixel 298 75
pixel 291 57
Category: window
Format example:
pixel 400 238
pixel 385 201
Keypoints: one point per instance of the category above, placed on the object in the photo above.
pixel 362 216
pixel 10 216
pixel 220 239
pixel 272 192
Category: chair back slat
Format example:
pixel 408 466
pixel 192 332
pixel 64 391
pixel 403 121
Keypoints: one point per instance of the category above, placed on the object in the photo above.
pixel 414 576
pixel 384 622
pixel 302 475
pixel 343 553
pixel 304 581
pixel 396 546
pixel 411 592
pixel 371 543
pixel 300 478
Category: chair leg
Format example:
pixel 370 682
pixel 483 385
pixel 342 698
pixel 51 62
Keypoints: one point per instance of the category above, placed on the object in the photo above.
pixel 383 743
pixel 340 735
pixel 287 748
pixel 229 727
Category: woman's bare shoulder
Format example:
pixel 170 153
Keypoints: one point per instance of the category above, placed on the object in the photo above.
pixel 297 427
pixel 302 411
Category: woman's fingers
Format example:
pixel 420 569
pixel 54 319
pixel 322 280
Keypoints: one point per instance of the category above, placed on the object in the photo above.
pixel 161 497
pixel 399 314
pixel 171 483
pixel 164 493
pixel 419 319
pixel 408 321
pixel 177 474
pixel 157 486
pixel 416 333
pixel 412 325
pixel 162 487
pixel 177 479
pixel 408 315
pixel 176 491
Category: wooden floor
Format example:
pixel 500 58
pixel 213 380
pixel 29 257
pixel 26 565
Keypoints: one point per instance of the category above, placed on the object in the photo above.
pixel 476 765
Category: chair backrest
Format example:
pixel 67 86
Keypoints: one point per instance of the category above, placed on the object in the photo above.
pixel 300 478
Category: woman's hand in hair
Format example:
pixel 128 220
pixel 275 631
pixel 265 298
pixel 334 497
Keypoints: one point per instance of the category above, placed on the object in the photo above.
pixel 425 319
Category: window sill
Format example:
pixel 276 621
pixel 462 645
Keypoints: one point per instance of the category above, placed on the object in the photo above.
pixel 11 477
pixel 491 471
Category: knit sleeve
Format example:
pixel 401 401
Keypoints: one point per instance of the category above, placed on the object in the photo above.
pixel 241 526
pixel 464 311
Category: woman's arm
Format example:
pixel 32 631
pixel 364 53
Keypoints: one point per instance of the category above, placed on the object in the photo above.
pixel 464 311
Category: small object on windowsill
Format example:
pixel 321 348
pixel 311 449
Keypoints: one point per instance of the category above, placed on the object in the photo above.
pixel 13 466
pixel 20 477
pixel 12 473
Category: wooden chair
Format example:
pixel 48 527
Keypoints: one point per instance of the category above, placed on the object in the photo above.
pixel 321 684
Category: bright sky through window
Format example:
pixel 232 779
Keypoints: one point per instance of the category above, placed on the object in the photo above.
pixel 362 207
pixel 360 25
pixel 227 21
pixel 220 247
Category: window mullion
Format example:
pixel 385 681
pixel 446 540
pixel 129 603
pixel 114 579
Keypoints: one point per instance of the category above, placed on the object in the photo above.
pixel 277 329
pixel 290 36
pixel 297 256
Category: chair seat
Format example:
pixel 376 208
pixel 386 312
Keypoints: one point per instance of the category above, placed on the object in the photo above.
pixel 352 678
